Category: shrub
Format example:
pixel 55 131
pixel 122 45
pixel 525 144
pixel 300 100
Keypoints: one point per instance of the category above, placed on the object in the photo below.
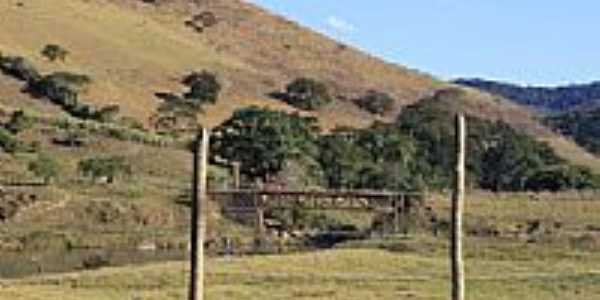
pixel 62 88
pixel 55 52
pixel 19 122
pixel 45 167
pixel 376 102
pixel 8 142
pixel 19 68
pixel 204 87
pixel 109 167
pixel 307 94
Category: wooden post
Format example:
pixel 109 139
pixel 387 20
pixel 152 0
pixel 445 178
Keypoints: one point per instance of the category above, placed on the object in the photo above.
pixel 260 227
pixel 405 213
pixel 396 205
pixel 235 169
pixel 458 279
pixel 198 218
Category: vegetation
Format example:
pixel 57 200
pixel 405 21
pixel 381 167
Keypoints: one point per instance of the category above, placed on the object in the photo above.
pixel 549 99
pixel 8 142
pixel 18 122
pixel 204 87
pixel 109 167
pixel 45 167
pixel 263 140
pixel 499 157
pixel 62 88
pixel 582 124
pixel 381 157
pixel 376 102
pixel 414 153
pixel 307 94
pixel 19 68
pixel 55 52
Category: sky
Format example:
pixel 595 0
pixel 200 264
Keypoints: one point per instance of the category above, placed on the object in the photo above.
pixel 531 42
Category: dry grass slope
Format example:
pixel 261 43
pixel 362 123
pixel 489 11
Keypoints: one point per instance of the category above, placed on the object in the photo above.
pixel 132 50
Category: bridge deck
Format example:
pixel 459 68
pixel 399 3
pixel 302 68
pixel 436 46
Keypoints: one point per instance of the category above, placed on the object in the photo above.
pixel 285 199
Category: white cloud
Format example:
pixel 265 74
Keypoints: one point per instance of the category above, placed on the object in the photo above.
pixel 340 24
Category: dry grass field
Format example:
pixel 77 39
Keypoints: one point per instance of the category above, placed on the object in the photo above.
pixel 553 266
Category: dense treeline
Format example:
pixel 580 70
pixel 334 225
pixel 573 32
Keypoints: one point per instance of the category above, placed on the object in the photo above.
pixel 415 152
pixel 547 99
pixel 583 125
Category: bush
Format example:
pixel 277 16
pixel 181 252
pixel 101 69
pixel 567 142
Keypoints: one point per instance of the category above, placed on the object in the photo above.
pixel 8 142
pixel 18 122
pixel 307 94
pixel 55 52
pixel 45 167
pixel 204 87
pixel 108 167
pixel 62 88
pixel 19 68
pixel 376 102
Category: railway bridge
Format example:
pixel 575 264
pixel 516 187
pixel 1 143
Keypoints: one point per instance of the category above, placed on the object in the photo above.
pixel 398 204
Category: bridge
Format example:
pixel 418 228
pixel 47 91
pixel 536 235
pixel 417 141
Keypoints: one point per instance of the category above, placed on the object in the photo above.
pixel 256 202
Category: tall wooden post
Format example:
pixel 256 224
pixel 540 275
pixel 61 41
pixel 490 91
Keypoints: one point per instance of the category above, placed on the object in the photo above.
pixel 198 218
pixel 458 197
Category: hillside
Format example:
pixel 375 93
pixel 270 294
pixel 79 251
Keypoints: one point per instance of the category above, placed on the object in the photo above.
pixel 543 99
pixel 133 50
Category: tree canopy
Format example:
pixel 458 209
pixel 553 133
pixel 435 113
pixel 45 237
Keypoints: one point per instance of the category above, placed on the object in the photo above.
pixel 263 140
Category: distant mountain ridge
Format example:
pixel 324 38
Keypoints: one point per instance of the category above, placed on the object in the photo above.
pixel 544 99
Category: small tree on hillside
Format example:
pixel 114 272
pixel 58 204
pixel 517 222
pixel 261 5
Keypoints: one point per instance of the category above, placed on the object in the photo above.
pixel 55 52
pixel 204 87
pixel 307 94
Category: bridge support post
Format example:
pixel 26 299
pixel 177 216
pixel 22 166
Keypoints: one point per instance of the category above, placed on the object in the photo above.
pixel 404 201
pixel 396 206
pixel 235 169
pixel 260 228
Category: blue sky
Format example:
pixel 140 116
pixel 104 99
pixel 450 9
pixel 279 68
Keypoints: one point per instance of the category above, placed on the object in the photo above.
pixel 541 42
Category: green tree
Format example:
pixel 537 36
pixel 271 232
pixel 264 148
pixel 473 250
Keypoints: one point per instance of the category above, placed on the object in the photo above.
pixel 45 167
pixel 262 140
pixel 342 159
pixel 204 87
pixel 55 52
pixel 307 94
